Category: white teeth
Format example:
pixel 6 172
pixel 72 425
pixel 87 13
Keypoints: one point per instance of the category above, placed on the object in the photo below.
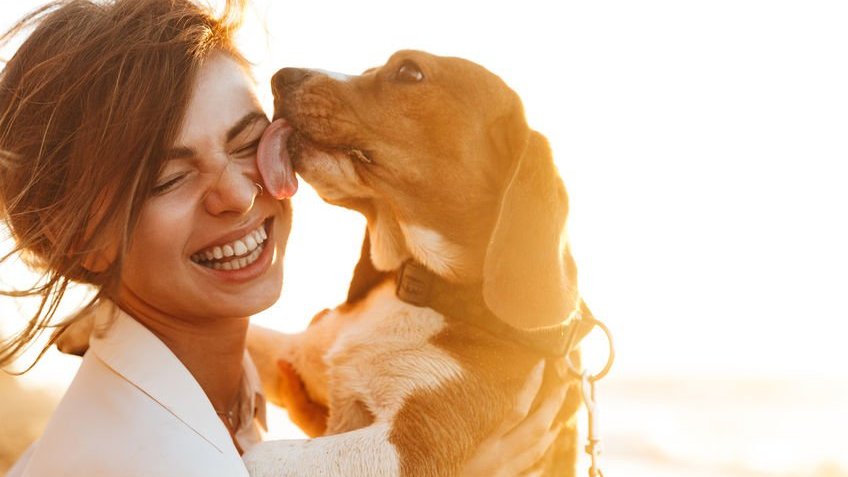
pixel 250 242
pixel 244 252
pixel 238 262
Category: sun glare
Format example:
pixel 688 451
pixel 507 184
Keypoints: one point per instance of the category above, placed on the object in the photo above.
pixel 702 145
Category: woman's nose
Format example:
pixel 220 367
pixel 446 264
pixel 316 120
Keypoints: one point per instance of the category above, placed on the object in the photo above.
pixel 233 193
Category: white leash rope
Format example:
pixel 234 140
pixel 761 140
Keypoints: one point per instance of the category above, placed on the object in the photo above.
pixel 587 385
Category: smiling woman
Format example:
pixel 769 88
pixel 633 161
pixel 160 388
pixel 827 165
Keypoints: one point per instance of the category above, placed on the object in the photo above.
pixel 162 184
pixel 206 197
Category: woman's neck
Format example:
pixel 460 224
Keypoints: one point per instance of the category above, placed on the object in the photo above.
pixel 212 350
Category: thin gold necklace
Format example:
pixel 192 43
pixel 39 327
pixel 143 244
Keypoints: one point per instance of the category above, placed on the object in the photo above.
pixel 231 415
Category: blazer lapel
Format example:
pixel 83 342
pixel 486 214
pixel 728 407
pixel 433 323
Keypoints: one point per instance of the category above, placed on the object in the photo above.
pixel 135 353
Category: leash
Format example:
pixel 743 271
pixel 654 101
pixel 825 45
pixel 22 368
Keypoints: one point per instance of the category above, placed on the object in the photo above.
pixel 588 392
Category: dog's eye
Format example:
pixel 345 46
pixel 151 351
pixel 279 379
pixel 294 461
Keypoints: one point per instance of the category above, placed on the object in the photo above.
pixel 409 72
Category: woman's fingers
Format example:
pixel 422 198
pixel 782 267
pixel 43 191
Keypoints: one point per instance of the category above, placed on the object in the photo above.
pixel 525 399
pixel 532 473
pixel 535 434
pixel 534 453
pixel 525 436
pixel 74 338
pixel 540 421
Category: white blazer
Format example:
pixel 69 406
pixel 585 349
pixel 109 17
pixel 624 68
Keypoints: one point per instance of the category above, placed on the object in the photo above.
pixel 134 410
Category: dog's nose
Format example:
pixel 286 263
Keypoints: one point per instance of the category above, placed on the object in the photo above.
pixel 288 78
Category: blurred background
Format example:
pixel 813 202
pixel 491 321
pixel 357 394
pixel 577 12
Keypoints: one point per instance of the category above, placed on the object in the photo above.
pixel 704 147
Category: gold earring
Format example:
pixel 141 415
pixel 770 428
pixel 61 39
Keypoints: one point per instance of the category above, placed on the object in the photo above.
pixel 259 186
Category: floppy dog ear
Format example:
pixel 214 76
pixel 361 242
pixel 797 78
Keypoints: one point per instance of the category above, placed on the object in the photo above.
pixel 365 275
pixel 529 279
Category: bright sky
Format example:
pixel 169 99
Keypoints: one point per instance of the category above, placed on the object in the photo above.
pixel 703 145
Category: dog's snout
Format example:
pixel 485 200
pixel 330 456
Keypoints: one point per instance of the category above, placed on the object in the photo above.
pixel 288 78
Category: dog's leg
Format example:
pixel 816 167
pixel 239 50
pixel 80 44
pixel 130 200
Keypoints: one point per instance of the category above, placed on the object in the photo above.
pixel 307 414
pixel 365 452
pixel 304 351
pixel 347 414
pixel 267 347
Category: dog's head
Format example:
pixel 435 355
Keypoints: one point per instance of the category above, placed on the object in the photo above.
pixel 437 154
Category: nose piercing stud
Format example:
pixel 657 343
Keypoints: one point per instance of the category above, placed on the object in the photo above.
pixel 259 186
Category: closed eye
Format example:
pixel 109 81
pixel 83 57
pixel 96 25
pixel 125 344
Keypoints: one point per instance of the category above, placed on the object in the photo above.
pixel 168 184
pixel 248 149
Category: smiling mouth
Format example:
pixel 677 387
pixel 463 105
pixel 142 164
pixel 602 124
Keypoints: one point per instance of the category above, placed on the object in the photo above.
pixel 234 255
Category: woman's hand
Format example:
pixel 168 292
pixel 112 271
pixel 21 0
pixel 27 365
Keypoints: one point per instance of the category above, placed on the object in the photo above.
pixel 523 438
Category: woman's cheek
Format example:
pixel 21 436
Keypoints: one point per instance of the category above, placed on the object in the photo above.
pixel 282 228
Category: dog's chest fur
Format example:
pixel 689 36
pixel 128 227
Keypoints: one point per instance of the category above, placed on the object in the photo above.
pixel 382 354
pixel 439 384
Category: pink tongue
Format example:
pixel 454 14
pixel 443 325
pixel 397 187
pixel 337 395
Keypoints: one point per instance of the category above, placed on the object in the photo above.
pixel 273 160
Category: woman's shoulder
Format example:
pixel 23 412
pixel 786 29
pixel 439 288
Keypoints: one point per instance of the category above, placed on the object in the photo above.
pixel 107 425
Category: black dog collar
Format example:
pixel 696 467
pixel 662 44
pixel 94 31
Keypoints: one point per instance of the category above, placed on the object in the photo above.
pixel 419 286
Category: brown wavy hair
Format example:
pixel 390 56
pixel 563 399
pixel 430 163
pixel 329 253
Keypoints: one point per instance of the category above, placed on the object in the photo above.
pixel 89 103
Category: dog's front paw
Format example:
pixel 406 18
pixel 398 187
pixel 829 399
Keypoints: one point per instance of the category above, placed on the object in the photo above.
pixel 307 414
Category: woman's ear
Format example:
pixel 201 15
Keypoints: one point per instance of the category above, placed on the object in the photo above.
pixel 529 278
pixel 101 252
pixel 98 261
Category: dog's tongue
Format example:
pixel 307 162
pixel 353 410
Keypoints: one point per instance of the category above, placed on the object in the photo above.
pixel 273 160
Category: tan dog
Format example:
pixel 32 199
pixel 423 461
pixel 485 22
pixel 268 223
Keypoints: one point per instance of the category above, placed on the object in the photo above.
pixel 465 282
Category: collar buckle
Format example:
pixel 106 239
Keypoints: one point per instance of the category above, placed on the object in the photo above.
pixel 414 284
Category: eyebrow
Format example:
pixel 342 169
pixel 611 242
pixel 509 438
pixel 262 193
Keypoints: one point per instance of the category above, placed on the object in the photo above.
pixel 247 120
pixel 244 122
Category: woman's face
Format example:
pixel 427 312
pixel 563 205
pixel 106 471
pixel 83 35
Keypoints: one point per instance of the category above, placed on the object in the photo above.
pixel 208 243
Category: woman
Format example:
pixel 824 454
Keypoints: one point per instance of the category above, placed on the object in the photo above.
pixel 128 137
